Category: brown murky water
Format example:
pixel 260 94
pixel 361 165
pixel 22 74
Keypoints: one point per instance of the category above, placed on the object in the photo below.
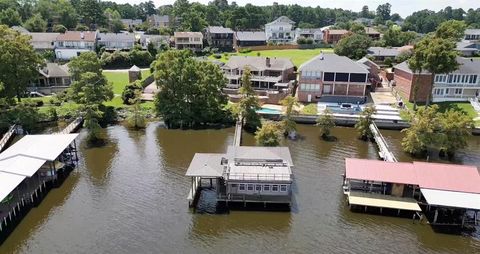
pixel 130 197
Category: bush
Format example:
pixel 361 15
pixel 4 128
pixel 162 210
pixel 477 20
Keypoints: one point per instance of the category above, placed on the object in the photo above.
pixel 217 56
pixel 245 50
pixel 310 109
pixel 259 54
pixel 140 58
pixel 301 40
pixel 152 30
pixel 109 115
pixel 59 29
pixel 309 41
pixel 81 27
pixel 37 103
pixel 129 92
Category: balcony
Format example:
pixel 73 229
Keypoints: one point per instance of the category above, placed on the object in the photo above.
pixel 446 85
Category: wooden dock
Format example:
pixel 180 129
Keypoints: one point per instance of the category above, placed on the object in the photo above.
pixel 72 127
pixel 237 139
pixel 384 151
pixel 7 137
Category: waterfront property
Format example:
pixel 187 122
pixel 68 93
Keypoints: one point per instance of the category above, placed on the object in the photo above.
pixel 332 78
pixel 245 174
pixel 447 194
pixel 73 43
pixel 52 78
pixel 189 40
pixel 28 170
pixel 116 41
pixel 249 39
pixel 332 36
pixel 460 85
pixel 316 34
pixel 280 30
pixel 270 76
pixel 219 37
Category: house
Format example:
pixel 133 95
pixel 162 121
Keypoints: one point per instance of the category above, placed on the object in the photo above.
pixel 372 68
pixel 270 76
pixel 43 41
pixel 249 39
pixel 472 35
pixel 156 40
pixel 73 43
pixel 460 85
pixel 246 174
pixel 219 37
pixel 332 78
pixel 316 34
pixel 467 48
pixel 280 30
pixel 364 21
pixel 159 21
pixel 116 41
pixel 332 36
pixel 188 40
pixel 372 33
pixel 131 23
pixel 409 187
pixel 379 54
pixel 53 78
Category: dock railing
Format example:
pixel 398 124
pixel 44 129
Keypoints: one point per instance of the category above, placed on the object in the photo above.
pixel 72 126
pixel 237 138
pixel 384 151
pixel 258 177
pixel 7 136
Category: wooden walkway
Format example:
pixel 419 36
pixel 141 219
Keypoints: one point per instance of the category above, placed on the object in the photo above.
pixel 237 139
pixel 384 151
pixel 6 138
pixel 73 126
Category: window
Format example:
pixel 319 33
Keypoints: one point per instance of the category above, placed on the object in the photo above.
pixel 447 91
pixel 450 78
pixel 458 91
pixel 328 76
pixel 258 187
pixel 342 77
pixel 283 188
pixel 250 187
pixel 327 89
pixel 438 91
pixel 234 185
pixel 266 187
pixel 241 187
pixel 274 187
pixel 358 77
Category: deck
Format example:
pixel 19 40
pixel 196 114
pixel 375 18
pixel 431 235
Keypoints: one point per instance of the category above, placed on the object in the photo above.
pixel 383 201
pixel 237 138
pixel 384 150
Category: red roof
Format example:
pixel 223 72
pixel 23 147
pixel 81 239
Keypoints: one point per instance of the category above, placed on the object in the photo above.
pixel 450 177
pixel 381 171
pixel 437 176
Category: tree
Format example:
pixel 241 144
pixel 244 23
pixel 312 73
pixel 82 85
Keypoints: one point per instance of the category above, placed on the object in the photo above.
pixel 365 13
pixel 60 11
pixel 357 28
pixel 394 37
pixel 86 62
pixel 383 13
pixel 90 12
pixel 115 24
pixel 136 119
pixel 270 134
pixel 59 29
pixel 364 122
pixel 289 125
pixel 435 55
pixel 456 130
pixel 190 90
pixel 248 105
pixel 36 24
pixel 19 63
pixel 353 46
pixel 10 17
pixel 422 131
pixel 129 94
pixel 326 122
pixel 451 29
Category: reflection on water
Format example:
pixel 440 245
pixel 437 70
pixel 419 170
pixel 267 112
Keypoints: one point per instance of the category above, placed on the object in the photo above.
pixel 129 196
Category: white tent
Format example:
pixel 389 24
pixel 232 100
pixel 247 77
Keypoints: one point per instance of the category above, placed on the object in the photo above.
pixel 8 182
pixel 46 147
pixel 452 199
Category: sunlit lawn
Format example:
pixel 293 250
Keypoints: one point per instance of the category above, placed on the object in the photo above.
pixel 120 79
pixel 298 56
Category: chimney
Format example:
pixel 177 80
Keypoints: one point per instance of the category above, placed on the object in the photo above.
pixel 267 61
pixel 82 35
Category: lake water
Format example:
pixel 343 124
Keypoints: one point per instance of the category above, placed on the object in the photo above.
pixel 129 196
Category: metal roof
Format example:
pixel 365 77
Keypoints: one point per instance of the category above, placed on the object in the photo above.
pixel 381 171
pixel 251 36
pixel 258 63
pixel 206 165
pixel 8 182
pixel 259 153
pixel 219 30
pixel 120 37
pixel 466 66
pixel 452 198
pixel 54 70
pixel 327 62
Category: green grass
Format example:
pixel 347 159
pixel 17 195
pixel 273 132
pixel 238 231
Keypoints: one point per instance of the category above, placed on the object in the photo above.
pixel 298 56
pixel 120 79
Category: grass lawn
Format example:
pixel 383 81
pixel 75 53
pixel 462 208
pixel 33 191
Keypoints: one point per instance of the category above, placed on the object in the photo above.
pixel 120 79
pixel 298 56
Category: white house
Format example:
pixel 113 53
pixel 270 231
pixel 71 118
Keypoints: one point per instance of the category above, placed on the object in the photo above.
pixel 280 30
pixel 316 34
pixel 73 43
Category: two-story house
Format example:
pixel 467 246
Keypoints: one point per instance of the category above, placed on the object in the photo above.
pixel 156 40
pixel 219 37
pixel 73 43
pixel 460 85
pixel 249 39
pixel 270 76
pixel 131 23
pixel 472 35
pixel 332 36
pixel 373 33
pixel 116 41
pixel 316 34
pixel 52 78
pixel 332 78
pixel 280 30
pixel 159 21
pixel 189 40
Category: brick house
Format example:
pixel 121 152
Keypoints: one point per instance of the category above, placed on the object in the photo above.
pixel 219 37
pixel 332 36
pixel 460 85
pixel 332 78
pixel 249 39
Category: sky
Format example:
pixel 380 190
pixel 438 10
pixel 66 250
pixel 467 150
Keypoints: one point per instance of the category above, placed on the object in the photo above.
pixel 402 7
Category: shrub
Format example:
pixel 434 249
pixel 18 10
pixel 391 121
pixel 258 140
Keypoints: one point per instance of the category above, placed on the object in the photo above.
pixel 129 92
pixel 217 56
pixel 81 27
pixel 59 29
pixel 301 40
pixel 245 50
pixel 310 109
